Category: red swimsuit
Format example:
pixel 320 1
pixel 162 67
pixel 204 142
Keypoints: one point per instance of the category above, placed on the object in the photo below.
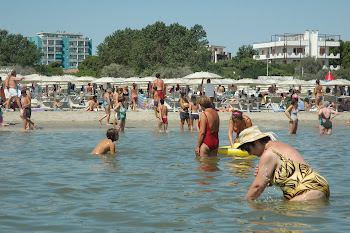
pixel 210 139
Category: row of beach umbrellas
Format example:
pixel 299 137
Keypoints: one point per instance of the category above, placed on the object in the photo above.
pixel 191 79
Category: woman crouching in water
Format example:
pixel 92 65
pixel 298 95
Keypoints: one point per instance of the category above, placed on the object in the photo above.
pixel 281 165
pixel 208 134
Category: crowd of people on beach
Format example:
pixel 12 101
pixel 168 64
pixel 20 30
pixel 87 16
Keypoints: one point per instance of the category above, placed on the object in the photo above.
pixel 279 163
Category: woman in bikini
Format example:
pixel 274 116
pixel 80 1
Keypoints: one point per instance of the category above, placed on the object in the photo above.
pixel 194 116
pixel 238 122
pixel 281 165
pixel 134 92
pixel 107 104
pixel 209 124
pixel 318 93
pixel 291 112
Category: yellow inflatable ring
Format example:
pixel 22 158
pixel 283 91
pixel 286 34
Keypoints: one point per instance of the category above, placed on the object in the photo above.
pixel 227 150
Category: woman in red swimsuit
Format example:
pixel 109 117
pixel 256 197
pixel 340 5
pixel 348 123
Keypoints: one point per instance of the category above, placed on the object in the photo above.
pixel 238 122
pixel 208 138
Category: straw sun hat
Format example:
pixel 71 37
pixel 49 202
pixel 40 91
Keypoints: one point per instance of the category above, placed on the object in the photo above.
pixel 252 134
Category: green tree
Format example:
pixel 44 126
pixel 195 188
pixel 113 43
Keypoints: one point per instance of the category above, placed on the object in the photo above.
pixel 117 71
pixel 16 49
pixel 49 70
pixel 156 46
pixel 245 51
pixel 91 66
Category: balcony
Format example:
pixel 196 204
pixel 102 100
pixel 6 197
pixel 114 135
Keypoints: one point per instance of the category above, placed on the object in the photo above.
pixel 328 43
pixel 279 56
pixel 281 43
pixel 328 56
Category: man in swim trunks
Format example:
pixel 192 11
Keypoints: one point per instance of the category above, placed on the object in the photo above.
pixel 281 165
pixel 155 100
pixel 159 83
pixel 11 85
pixel 184 114
pixel 163 117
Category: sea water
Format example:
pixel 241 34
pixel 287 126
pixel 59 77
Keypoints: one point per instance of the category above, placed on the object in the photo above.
pixel 154 183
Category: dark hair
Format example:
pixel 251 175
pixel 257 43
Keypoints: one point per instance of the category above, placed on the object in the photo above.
pixel 157 75
pixel 317 81
pixel 161 101
pixel 246 146
pixel 237 115
pixel 293 101
pixel 183 94
pixel 194 99
pixel 23 92
pixel 111 134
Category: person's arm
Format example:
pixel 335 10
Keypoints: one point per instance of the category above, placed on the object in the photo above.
pixel 266 167
pixel 230 132
pixel 201 133
pixel 288 110
pixel 112 148
pixel 334 114
pixel 248 123
pixel 160 112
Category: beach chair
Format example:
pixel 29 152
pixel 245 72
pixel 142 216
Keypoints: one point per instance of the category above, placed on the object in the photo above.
pixel 47 105
pixel 276 107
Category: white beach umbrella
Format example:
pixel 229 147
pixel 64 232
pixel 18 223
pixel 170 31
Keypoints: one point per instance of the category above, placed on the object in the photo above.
pixel 174 81
pixel 294 82
pixel 61 79
pixel 251 82
pixel 105 80
pixel 225 81
pixel 32 78
pixel 337 82
pixel 86 79
pixel 148 79
pixel 201 75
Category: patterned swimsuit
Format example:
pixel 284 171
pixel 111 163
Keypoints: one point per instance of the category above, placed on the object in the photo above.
pixel 295 179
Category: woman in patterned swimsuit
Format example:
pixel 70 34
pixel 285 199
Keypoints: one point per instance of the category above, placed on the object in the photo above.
pixel 281 165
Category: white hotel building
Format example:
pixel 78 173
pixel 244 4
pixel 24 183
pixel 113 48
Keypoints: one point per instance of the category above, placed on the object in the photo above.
pixel 287 48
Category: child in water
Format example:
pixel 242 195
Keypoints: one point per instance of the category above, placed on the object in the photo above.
pixel 163 116
pixel 107 144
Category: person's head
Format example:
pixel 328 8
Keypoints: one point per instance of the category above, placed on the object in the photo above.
pixel 13 73
pixel 183 95
pixel 204 102
pixel 109 90
pixel 112 134
pixel 237 116
pixel 120 90
pixel 194 99
pixel 294 101
pixel 208 80
pixel 317 82
pixel 326 104
pixel 253 140
pixel 90 98
pixel 134 85
pixel 161 101
pixel 158 75
pixel 95 98
pixel 126 87
pixel 89 84
pixel 24 92
pixel 57 100
pixel 307 100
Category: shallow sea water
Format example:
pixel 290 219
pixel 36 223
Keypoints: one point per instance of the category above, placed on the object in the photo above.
pixel 50 182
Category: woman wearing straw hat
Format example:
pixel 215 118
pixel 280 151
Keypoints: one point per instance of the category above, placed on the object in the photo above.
pixel 281 165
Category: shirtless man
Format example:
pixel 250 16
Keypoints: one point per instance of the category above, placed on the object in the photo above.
pixel 11 85
pixel 92 104
pixel 155 100
pixel 163 116
pixel 26 110
pixel 89 89
pixel 107 144
pixel 159 83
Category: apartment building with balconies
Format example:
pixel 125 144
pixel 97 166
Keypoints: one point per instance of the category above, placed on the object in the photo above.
pixel 218 53
pixel 69 49
pixel 288 48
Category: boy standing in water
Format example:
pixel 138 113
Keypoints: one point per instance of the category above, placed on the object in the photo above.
pixel 26 109
pixel 163 116
pixel 107 144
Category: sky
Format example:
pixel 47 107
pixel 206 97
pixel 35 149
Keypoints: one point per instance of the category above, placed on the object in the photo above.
pixel 229 23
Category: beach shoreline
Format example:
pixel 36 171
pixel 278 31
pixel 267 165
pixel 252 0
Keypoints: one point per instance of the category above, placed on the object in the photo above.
pixel 147 119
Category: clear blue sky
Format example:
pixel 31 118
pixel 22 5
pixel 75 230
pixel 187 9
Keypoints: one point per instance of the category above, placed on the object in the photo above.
pixel 228 23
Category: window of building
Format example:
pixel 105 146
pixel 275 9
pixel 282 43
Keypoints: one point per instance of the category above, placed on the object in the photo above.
pixel 262 52
pixel 322 51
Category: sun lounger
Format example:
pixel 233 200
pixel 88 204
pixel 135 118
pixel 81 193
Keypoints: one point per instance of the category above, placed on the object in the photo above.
pixel 276 108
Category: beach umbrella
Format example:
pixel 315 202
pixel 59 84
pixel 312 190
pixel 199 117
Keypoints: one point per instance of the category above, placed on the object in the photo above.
pixel 174 81
pixel 105 80
pixel 294 82
pixel 251 82
pixel 85 79
pixel 201 75
pixel 225 81
pixel 147 79
pixel 338 83
pixel 61 79
pixel 329 76
pixel 32 78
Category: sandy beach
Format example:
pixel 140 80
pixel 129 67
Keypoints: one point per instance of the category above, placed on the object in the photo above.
pixel 146 118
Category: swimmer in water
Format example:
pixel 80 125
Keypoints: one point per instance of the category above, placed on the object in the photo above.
pixel 107 144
